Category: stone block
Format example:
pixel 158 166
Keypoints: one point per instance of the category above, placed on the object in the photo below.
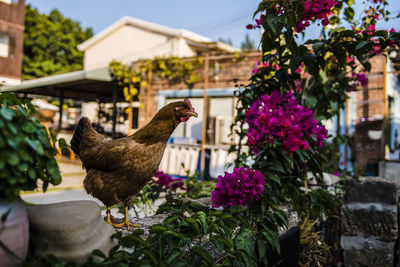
pixel 353 258
pixel 69 230
pixel 372 189
pixel 377 221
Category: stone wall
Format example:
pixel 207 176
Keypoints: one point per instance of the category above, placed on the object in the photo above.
pixel 370 222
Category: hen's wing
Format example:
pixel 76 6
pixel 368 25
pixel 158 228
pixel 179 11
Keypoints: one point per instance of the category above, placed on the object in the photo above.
pixel 85 137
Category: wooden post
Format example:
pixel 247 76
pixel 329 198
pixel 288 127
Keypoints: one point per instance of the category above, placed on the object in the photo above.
pixel 114 115
pixel 130 113
pixel 205 113
pixel 346 132
pixel 385 109
pixel 148 93
pixel 61 110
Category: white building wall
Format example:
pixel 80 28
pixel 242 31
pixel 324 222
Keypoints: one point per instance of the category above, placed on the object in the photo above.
pixel 130 43
pixel 393 90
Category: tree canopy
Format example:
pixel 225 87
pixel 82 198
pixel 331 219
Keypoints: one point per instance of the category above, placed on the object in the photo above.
pixel 50 43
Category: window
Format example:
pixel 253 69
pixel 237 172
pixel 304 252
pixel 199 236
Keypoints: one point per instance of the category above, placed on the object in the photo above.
pixel 9 1
pixel 4 44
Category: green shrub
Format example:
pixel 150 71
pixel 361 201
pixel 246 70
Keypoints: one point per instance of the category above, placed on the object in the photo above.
pixel 26 152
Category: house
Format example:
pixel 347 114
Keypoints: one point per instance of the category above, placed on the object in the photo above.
pixel 130 39
pixel 12 19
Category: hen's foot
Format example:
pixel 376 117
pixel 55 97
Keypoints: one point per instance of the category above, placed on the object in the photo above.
pixel 126 223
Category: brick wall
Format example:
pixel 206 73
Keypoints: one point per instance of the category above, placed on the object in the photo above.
pixel 12 19
pixel 230 67
pixel 369 116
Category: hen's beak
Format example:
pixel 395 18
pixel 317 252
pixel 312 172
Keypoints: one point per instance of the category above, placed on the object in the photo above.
pixel 193 114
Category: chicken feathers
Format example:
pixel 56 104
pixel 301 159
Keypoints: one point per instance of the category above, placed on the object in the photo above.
pixel 118 169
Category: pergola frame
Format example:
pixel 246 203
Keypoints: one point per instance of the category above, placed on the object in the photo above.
pixel 92 85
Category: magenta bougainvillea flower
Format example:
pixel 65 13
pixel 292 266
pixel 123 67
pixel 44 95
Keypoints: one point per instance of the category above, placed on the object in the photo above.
pixel 167 182
pixel 362 78
pixel 315 10
pixel 238 188
pixel 276 118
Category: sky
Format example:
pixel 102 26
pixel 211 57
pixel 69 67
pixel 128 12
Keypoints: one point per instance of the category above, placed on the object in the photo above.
pixel 212 18
pixel 215 19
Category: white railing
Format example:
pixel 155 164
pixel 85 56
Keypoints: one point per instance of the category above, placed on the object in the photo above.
pixel 189 155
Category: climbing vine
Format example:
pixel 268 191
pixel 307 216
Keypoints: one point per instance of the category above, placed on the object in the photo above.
pixel 171 69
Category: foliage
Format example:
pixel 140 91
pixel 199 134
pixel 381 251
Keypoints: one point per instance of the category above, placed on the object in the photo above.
pixel 319 73
pixel 195 188
pixel 248 44
pixel 313 250
pixel 173 69
pixel 193 235
pixel 26 152
pixel 50 43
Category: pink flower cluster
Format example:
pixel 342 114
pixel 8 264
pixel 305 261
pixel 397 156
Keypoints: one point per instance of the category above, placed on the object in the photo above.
pixel 258 23
pixel 315 10
pixel 362 79
pixel 276 118
pixel 238 188
pixel 265 64
pixel 167 182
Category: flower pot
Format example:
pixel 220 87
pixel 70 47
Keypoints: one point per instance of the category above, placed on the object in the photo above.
pixel 14 233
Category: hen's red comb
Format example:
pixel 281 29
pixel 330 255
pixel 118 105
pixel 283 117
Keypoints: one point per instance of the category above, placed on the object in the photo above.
pixel 187 101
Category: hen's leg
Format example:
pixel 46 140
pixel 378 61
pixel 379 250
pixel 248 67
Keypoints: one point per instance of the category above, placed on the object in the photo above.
pixel 126 221
pixel 109 218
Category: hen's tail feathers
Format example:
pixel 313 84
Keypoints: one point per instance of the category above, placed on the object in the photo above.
pixel 84 137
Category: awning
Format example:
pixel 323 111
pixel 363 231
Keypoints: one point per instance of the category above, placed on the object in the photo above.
pixel 91 85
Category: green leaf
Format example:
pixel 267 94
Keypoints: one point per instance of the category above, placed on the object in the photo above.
pixel 349 13
pixel 7 113
pixel 52 169
pixel 245 241
pixel 261 248
pixel 317 46
pixel 28 127
pixel 361 45
pixel 311 101
pixel 203 253
pixel 12 158
pixel 132 240
pixel 150 256
pixel 193 224
pixel 35 145
pixel 173 234
pixel 2 144
pixel 32 173
pixel 99 253
pixel 237 209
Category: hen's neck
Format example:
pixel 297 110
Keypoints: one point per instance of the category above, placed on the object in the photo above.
pixel 155 131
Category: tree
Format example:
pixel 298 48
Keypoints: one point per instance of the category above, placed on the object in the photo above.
pixel 248 44
pixel 50 44
pixel 227 40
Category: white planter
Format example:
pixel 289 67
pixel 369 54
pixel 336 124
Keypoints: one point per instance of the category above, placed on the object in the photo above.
pixel 14 232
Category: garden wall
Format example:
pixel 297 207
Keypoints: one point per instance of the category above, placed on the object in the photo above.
pixel 370 223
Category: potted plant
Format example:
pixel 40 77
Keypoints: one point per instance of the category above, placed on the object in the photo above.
pixel 26 157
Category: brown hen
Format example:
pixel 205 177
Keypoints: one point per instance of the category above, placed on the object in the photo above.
pixel 118 169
